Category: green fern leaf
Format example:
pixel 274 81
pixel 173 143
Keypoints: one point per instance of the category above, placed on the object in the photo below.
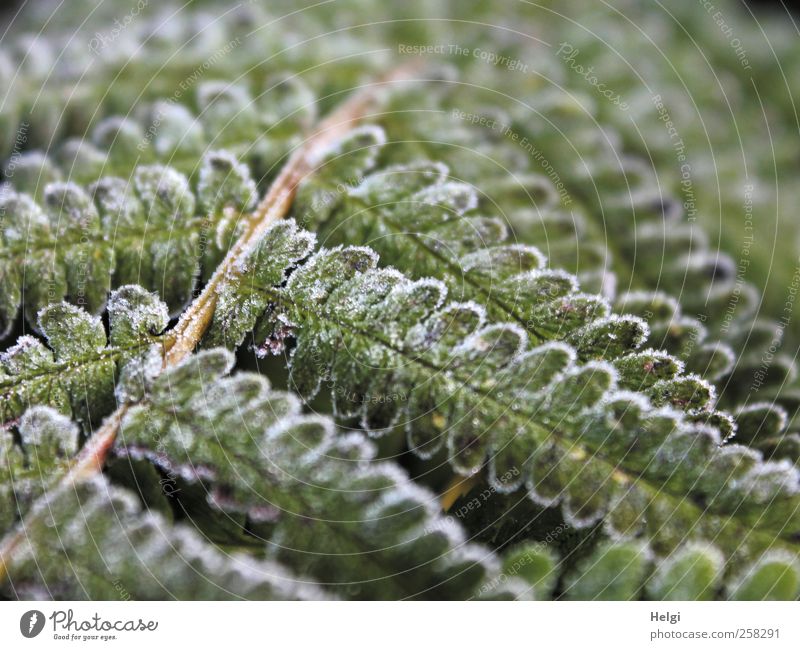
pixel 332 513
pixel 398 357
pixel 76 371
pixel 152 231
pixel 100 545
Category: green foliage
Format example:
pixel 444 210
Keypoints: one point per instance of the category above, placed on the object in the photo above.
pixel 518 287
pixel 400 359
pixel 368 344
pixel 614 571
pixel 430 224
pixel 534 564
pixel 100 545
pixel 426 224
pixel 361 528
pixel 692 573
pixel 628 189
pixel 775 577
pixel 75 371
pixel 47 440
pixel 155 231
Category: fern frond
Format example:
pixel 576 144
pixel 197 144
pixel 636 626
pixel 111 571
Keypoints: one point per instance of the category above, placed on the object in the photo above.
pixel 519 284
pixel 627 570
pixel 426 224
pixel 192 325
pixel 709 359
pixel 97 543
pixel 399 357
pixel 682 336
pixel 76 370
pixel 47 440
pixel 59 96
pixel 624 202
pixel 155 231
pixel 603 195
pixel 359 527
pixel 355 526
pixel 261 130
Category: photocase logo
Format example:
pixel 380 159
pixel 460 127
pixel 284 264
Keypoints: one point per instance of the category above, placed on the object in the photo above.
pixel 31 623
